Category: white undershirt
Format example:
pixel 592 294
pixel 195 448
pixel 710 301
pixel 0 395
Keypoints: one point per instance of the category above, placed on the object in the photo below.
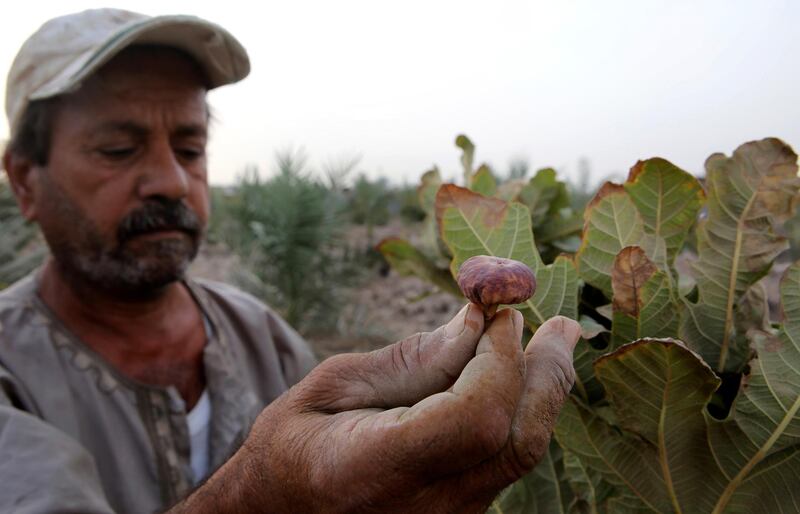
pixel 199 420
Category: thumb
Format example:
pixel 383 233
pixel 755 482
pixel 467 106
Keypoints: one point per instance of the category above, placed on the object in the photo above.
pixel 400 374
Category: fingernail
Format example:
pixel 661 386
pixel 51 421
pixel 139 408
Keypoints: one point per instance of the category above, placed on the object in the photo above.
pixel 456 325
pixel 517 322
pixel 571 330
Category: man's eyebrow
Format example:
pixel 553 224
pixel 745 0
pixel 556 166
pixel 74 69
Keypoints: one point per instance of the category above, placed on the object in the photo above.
pixel 191 130
pixel 126 127
pixel 135 129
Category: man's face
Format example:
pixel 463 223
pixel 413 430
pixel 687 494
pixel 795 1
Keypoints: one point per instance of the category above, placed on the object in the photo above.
pixel 123 200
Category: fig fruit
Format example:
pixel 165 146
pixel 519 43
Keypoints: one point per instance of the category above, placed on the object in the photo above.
pixel 492 281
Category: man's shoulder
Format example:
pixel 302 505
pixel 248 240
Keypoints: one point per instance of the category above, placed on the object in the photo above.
pixel 18 295
pixel 255 329
pixel 228 295
pixel 239 308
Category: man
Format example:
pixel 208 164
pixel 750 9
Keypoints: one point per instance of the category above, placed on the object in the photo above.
pixel 123 384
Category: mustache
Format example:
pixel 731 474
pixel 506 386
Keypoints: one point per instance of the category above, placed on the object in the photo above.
pixel 159 214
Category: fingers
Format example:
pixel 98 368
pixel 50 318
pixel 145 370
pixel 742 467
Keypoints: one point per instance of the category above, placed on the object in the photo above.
pixel 549 378
pixel 456 429
pixel 400 374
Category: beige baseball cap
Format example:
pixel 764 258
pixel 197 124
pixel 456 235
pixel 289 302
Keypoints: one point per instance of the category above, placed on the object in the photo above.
pixel 68 49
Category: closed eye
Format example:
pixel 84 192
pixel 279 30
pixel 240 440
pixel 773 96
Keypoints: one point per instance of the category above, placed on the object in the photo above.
pixel 117 153
pixel 190 153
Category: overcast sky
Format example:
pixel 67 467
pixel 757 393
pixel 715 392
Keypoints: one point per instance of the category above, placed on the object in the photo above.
pixel 550 82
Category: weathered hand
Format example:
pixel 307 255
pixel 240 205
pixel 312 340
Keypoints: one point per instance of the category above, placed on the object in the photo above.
pixel 439 422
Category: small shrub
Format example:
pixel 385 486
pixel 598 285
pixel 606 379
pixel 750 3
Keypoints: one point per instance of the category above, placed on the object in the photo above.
pixel 287 230
pixel 21 247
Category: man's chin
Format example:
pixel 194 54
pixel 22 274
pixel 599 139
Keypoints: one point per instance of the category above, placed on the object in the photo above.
pixel 154 271
pixel 140 270
pixel 146 280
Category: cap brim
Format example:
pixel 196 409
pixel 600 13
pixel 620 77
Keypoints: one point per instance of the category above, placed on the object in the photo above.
pixel 223 59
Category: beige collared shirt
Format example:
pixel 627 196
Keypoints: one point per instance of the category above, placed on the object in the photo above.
pixel 77 436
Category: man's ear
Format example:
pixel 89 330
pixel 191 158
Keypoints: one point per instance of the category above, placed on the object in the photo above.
pixel 22 176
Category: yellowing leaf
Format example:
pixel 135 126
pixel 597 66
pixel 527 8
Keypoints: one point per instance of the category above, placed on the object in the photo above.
pixel 737 244
pixel 663 447
pixel 407 260
pixel 658 390
pixel 612 222
pixel 765 440
pixel 643 303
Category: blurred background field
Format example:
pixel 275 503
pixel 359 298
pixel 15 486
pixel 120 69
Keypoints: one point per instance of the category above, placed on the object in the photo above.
pixel 377 92
pixel 304 241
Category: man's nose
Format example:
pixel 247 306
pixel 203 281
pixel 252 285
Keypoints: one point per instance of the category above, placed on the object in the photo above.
pixel 163 174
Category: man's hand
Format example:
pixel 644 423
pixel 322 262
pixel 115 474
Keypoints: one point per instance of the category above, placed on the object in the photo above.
pixel 439 422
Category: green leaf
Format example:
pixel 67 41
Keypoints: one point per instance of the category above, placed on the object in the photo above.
pixel 556 291
pixel 560 227
pixel 590 328
pixel 612 222
pixel 593 495
pixel 431 245
pixel 668 200
pixel 658 390
pixel 748 193
pixel 430 182
pixel 472 224
pixel 467 155
pixel 544 195
pixel 483 182
pixel 670 453
pixel 752 309
pixel 556 227
pixel 544 490
pixel 775 491
pixel 587 387
pixel 643 304
pixel 607 311
pixel 589 489
pixel 767 424
pixel 626 463
pixel 407 260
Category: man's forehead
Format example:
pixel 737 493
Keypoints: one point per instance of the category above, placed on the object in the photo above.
pixel 143 77
pixel 156 68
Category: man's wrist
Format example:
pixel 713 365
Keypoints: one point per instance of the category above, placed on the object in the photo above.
pixel 238 486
